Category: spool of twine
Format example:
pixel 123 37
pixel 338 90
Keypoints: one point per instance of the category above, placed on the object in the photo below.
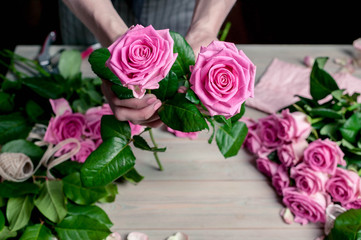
pixel 332 212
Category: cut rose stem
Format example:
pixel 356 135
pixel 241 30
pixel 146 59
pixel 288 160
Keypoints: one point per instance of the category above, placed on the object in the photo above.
pixel 155 153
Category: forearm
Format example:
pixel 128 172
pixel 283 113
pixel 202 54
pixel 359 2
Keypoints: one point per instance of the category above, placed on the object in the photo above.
pixel 100 18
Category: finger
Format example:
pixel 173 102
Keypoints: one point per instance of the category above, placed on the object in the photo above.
pixel 136 115
pixel 154 124
pixel 153 118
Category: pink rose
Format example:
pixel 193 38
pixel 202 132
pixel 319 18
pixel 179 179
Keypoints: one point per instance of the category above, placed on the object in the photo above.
pixel 60 106
pixel 253 142
pixel 269 128
pixel 308 180
pixel 86 148
pixel 93 118
pixel 280 179
pixel 293 126
pixel 223 78
pixel 141 58
pixel 190 135
pixel 266 166
pixel 344 186
pixel 135 129
pixel 306 207
pixel 324 155
pixel 290 154
pixel 355 204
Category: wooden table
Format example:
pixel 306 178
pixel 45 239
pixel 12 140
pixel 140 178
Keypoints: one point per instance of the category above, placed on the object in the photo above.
pixel 202 194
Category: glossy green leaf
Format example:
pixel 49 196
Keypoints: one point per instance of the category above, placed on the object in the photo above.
pixel 111 127
pixel 351 127
pixel 2 201
pixel 222 120
pixel 51 201
pixel 321 83
pixel 13 126
pixel 122 92
pixel 167 87
pixel 139 142
pixel 239 115
pixel 69 63
pixel 81 227
pixel 6 102
pixel 47 87
pixel 37 232
pixel 112 159
pixel 14 189
pixel 18 211
pixel 192 97
pixel 33 110
pixel 22 146
pixel 179 114
pixel 185 56
pixel 67 168
pixel 90 211
pixel 331 130
pixel 229 140
pixel 326 113
pixel 112 191
pixel 97 61
pixel 347 226
pixel 2 220
pixel 5 233
pixel 75 191
pixel 133 176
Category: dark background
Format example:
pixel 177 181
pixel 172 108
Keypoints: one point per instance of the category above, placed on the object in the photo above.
pixel 253 22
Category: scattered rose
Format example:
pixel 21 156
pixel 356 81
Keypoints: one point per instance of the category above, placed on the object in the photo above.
pixel 355 204
pixel 135 129
pixel 266 166
pixel 293 126
pixel 280 179
pixel 223 78
pixel 269 128
pixel 141 58
pixel 93 118
pixel 291 154
pixel 324 155
pixel 287 215
pixel 190 135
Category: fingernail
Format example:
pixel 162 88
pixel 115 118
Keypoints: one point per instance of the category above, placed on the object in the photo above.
pixel 151 100
pixel 157 105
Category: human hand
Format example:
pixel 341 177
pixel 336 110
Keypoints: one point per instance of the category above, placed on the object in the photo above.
pixel 197 38
pixel 138 111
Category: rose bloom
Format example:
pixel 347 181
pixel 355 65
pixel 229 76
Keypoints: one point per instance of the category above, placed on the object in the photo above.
pixel 86 148
pixel 344 186
pixel 93 118
pixel 266 166
pixel 306 207
pixel 324 155
pixel 223 78
pixel 280 179
pixel 141 58
pixel 308 180
pixel 293 126
pixel 269 128
pixel 355 204
pixel 64 126
pixel 291 154
pixel 135 129
pixel 190 135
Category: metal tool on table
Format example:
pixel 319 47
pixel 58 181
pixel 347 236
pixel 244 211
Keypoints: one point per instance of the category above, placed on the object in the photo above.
pixel 48 62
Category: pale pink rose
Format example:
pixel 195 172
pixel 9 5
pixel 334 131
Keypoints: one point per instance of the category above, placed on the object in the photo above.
pixel 135 129
pixel 308 61
pixel 178 236
pixel 86 148
pixel 93 118
pixel 252 142
pixel 269 128
pixel 190 135
pixel 293 126
pixel 287 215
pixel 266 166
pixel 306 208
pixel 223 78
pixel 291 154
pixel 114 236
pixel 137 236
pixel 60 106
pixel 280 179
pixel 141 58
pixel 308 180
pixel 324 155
pixel 355 204
pixel 343 186
pixel 357 44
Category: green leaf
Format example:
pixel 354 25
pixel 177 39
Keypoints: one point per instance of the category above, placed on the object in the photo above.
pixel 229 140
pixel 2 221
pixel 185 55
pixel 95 97
pixel 167 87
pixel 112 191
pixel 321 83
pixel 239 115
pixel 51 201
pixel 91 211
pixel 192 97
pixel 67 167
pixel 6 102
pixel 22 146
pixel 6 233
pixel 326 113
pixel 13 126
pixel 37 232
pixel 133 176
pixel 122 92
pixel 347 226
pixel 351 127
pixel 97 61
pixel 111 127
pixel 331 130
pixel 69 63
pixel 33 110
pixel 18 211
pixel 81 227
pixel 337 94
pixel 140 143
pixel 112 159
pixel 47 87
pixel 222 120
pixel 75 191
pixel 14 189
pixel 2 202
pixel 179 114
pixel 210 140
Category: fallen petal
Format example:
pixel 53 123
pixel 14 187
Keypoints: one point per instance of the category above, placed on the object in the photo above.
pixel 137 236
pixel 178 236
pixel 114 236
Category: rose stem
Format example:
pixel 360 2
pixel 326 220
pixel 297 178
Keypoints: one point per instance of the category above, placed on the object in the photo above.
pixel 155 153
